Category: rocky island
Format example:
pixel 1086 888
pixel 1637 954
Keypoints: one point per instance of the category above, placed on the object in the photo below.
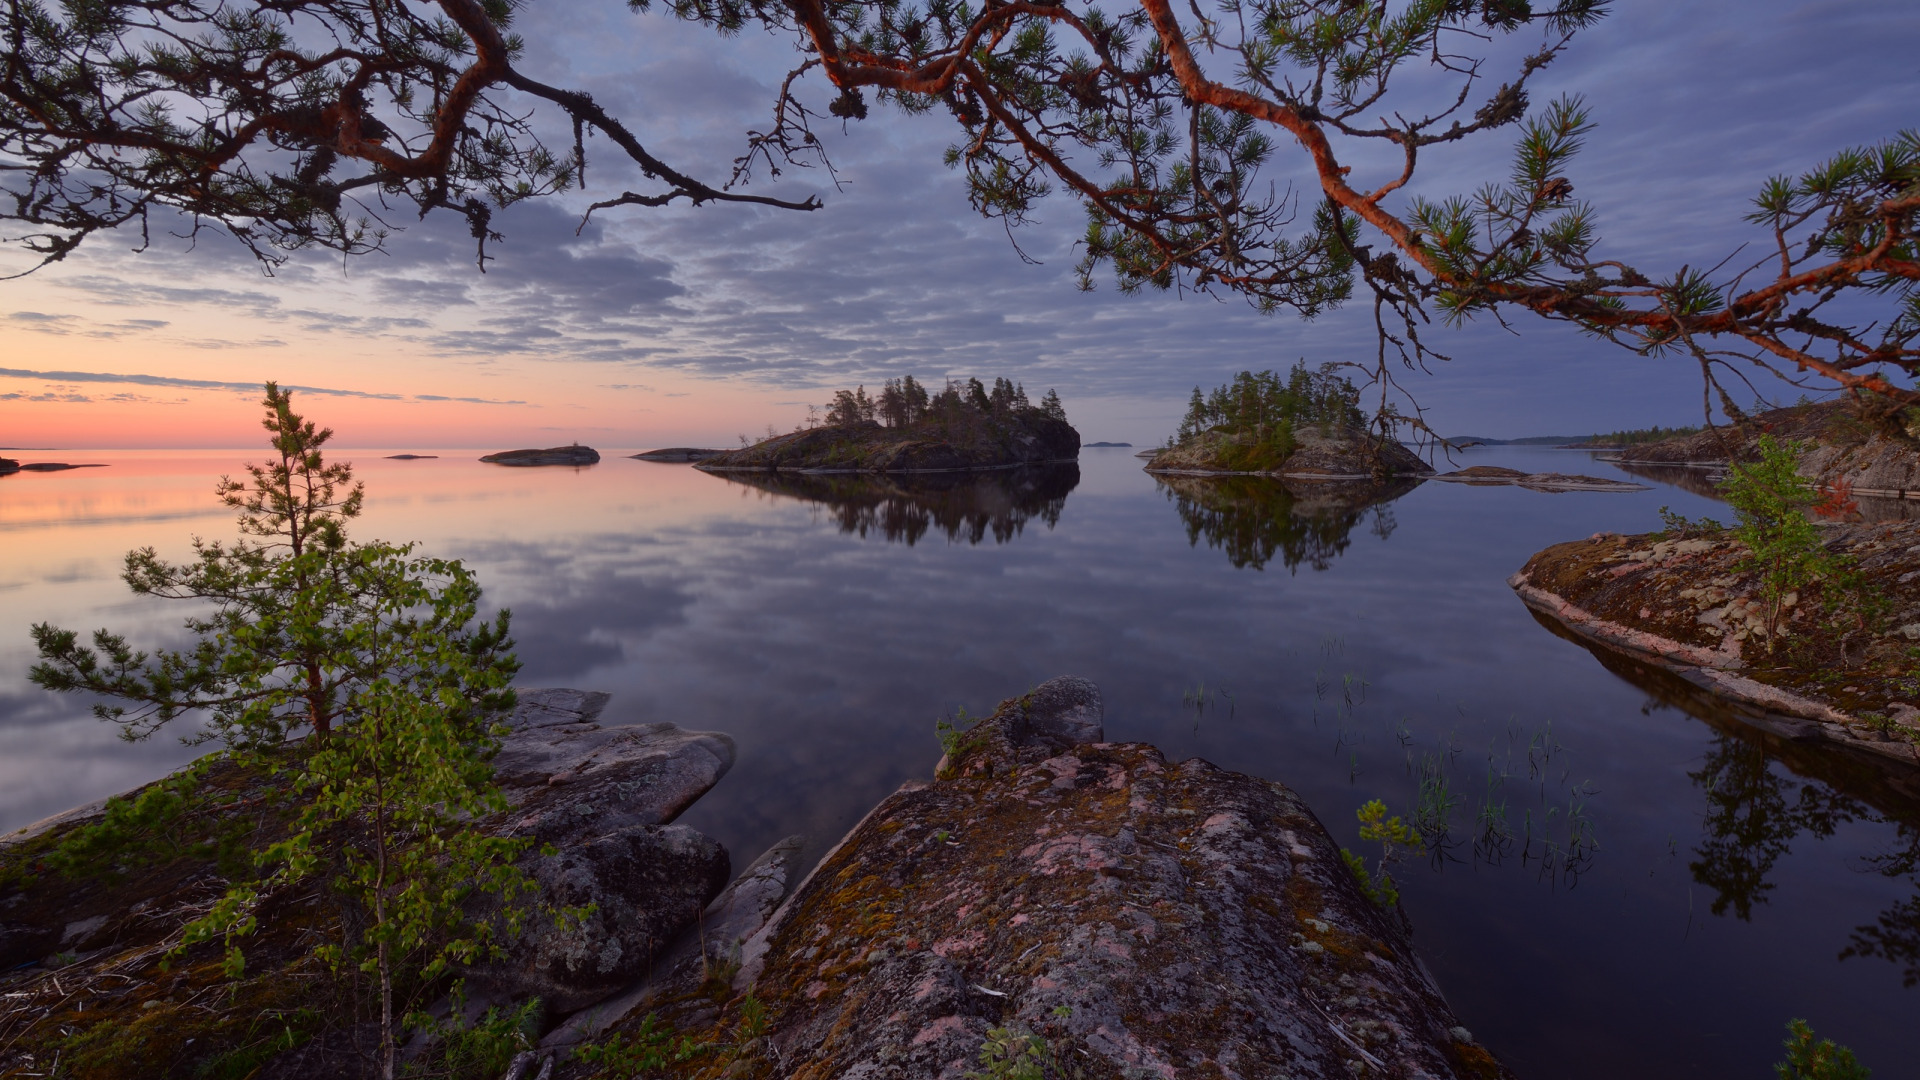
pixel 554 455
pixel 1307 426
pixel 905 429
pixel 680 454
pixel 1047 894
pixel 9 465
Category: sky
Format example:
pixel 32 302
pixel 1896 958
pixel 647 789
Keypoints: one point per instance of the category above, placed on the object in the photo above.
pixel 694 326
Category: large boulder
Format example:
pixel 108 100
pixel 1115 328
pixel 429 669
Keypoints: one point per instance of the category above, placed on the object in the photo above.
pixel 1094 904
pixel 644 884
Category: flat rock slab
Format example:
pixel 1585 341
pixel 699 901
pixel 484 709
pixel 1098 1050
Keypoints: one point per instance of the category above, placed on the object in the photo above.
pixel 1494 475
pixel 1140 918
pixel 565 774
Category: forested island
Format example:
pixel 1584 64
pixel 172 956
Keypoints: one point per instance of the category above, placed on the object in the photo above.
pixel 1307 425
pixel 906 429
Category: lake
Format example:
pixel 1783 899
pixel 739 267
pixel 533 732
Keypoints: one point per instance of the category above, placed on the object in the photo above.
pixel 1615 886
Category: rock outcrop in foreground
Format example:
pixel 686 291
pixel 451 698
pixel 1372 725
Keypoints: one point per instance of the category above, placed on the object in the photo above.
pixel 1001 440
pixel 1080 902
pixel 553 455
pixel 1684 605
pixel 1088 902
pixel 1317 452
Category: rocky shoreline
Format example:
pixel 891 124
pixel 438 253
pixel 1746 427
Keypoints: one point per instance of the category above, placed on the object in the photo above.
pixel 1683 606
pixel 1091 901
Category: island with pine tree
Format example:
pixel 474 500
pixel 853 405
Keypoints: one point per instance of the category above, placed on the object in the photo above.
pixel 905 429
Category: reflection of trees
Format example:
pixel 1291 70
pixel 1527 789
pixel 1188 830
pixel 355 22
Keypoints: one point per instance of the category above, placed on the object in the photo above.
pixel 903 507
pixel 1753 816
pixel 1256 518
pixel 1895 938
pixel 1754 812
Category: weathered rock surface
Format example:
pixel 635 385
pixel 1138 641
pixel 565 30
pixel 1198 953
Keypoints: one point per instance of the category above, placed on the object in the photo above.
pixel 1685 605
pixel 567 775
pixel 678 453
pixel 707 950
pixel 1319 453
pixel 1144 918
pixel 974 441
pixel 645 883
pixel 553 455
pixel 602 796
pixel 1494 475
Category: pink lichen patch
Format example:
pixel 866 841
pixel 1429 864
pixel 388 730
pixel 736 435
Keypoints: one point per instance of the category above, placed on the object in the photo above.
pixel 940 1029
pixel 959 943
pixel 815 989
pixel 1071 852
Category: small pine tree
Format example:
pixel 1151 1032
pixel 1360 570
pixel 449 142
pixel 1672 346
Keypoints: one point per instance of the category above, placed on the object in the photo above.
pixel 1050 404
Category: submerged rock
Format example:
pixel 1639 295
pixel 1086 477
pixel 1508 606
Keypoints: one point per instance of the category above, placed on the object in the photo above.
pixel 553 455
pixel 1135 916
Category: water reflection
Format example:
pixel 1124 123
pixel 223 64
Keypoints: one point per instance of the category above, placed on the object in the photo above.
pixel 1754 814
pixel 1255 518
pixel 1765 788
pixel 904 508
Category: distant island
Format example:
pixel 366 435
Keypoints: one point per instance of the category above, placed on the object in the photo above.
pixel 1306 426
pixel 415 457
pixel 1085 445
pixel 9 466
pixel 553 455
pixel 1617 440
pixel 905 429
pixel 678 453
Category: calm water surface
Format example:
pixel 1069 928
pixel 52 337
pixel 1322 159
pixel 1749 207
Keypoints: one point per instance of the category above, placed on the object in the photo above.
pixel 1620 888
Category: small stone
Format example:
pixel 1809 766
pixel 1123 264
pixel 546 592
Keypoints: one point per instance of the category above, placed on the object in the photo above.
pixel 1461 1034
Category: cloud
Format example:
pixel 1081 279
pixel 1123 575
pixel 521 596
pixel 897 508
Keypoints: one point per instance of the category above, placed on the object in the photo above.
pixel 1694 105
pixel 237 387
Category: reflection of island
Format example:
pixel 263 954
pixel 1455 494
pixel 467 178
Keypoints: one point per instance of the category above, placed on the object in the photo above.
pixel 967 506
pixel 1256 518
pixel 1756 811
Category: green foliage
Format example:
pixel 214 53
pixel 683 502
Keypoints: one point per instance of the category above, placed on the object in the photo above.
pixel 1393 836
pixel 375 654
pixel 1770 497
pixel 1014 1053
pixel 959 738
pixel 1265 409
pixel 477 1049
pixel 1679 526
pixel 1822 1060
pixel 623 1055
pixel 178 817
